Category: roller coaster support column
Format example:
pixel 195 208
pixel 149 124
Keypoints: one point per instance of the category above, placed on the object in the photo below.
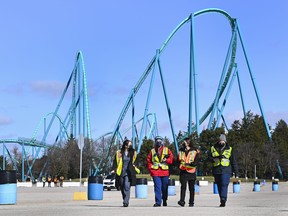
pixel 225 99
pixel 148 101
pixel 193 81
pixel 4 157
pixel 240 90
pixel 133 120
pixel 254 84
pixel 216 101
pixel 23 171
pixel 168 107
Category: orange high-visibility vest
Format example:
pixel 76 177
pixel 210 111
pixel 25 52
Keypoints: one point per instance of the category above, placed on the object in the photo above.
pixel 184 160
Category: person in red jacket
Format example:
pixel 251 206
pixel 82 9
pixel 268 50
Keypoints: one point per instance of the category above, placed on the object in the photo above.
pixel 158 160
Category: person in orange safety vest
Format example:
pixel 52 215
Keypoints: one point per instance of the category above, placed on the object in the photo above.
pixel 188 159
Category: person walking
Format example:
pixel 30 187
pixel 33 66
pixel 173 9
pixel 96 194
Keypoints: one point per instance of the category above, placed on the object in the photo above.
pixel 125 170
pixel 44 180
pixel 224 164
pixel 158 161
pixel 188 159
pixel 55 180
pixel 61 180
pixel 49 180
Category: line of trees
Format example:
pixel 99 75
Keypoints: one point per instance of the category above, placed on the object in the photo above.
pixel 247 136
pixel 251 145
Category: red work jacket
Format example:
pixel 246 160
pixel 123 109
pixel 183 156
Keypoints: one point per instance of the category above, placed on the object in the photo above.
pixel 159 171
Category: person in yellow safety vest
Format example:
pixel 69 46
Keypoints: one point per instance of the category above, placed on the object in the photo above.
pixel 188 159
pixel 125 170
pixel 44 180
pixel 224 164
pixel 158 161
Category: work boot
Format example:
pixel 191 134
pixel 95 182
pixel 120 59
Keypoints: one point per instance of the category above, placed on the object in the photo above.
pixel 156 205
pixel 164 202
pixel 222 204
pixel 181 203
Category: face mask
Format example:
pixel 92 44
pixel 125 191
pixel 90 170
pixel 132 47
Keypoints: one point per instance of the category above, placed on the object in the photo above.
pixel 158 143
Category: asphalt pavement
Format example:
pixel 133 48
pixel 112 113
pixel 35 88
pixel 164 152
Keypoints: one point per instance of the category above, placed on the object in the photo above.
pixel 32 201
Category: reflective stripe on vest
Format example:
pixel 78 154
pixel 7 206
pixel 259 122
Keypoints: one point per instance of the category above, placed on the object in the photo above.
pixel 224 161
pixel 159 163
pixel 119 161
pixel 187 160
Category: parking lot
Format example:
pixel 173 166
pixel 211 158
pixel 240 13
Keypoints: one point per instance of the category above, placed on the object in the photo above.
pixel 59 201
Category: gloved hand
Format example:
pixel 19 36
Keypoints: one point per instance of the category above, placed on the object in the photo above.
pixel 189 164
pixel 166 156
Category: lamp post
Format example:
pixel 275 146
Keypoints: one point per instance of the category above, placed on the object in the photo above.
pixel 80 146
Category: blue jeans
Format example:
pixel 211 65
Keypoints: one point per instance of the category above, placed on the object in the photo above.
pixel 222 181
pixel 160 188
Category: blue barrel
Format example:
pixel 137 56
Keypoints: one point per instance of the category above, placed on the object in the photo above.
pixel 95 188
pixel 236 187
pixel 274 186
pixel 197 187
pixel 256 186
pixel 171 187
pixel 141 188
pixel 215 188
pixel 8 187
pixel 263 182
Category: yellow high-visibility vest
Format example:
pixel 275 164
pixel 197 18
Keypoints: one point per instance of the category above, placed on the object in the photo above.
pixel 159 163
pixel 224 161
pixel 119 162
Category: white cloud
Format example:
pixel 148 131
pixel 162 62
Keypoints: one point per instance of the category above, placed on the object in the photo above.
pixel 274 117
pixel 233 116
pixel 4 120
pixel 50 87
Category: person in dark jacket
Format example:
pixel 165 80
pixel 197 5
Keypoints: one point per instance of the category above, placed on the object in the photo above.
pixel 224 164
pixel 124 167
pixel 188 159
pixel 158 160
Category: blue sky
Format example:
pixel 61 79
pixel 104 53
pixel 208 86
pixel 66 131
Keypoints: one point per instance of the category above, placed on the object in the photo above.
pixel 40 39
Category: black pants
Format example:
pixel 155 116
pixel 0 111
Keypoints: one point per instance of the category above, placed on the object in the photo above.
pixel 190 179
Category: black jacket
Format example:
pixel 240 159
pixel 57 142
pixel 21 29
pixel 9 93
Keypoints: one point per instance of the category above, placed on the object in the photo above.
pixel 131 170
pixel 195 163
pixel 232 168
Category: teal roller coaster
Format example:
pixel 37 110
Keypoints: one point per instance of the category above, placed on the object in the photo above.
pixel 77 119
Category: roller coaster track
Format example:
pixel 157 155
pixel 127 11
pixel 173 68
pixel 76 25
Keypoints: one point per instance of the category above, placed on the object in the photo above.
pixel 77 117
pixel 229 65
pixel 161 50
pixel 78 113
